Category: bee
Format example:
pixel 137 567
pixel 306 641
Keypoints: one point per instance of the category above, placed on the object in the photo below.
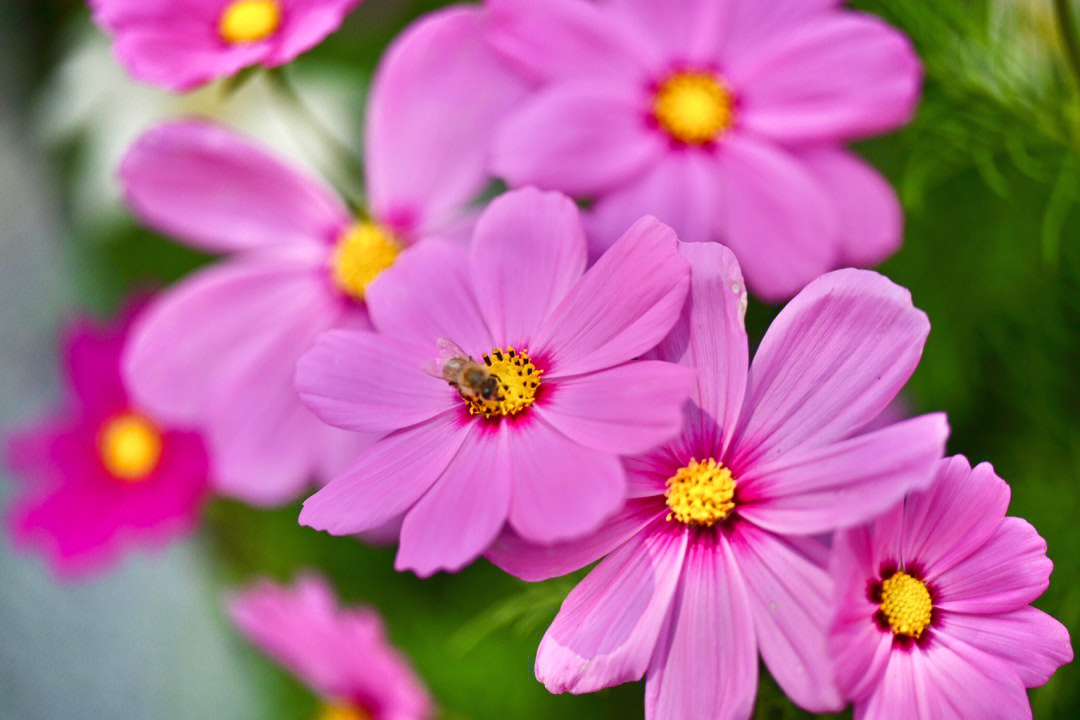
pixel 473 380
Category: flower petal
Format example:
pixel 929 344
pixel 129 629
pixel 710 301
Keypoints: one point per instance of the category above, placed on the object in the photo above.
pixel 904 692
pixel 583 138
pixel 749 24
pixel 626 410
pixel 681 189
pixel 531 562
pixel 92 359
pixel 859 649
pixel 775 217
pixel 710 334
pixel 564 39
pixel 1031 641
pixel 295 626
pixel 309 23
pixel 1006 573
pixel 426 295
pixel 211 324
pixel 830 363
pixel 624 304
pixel 370 382
pixel 870 216
pixel 841 77
pixel 529 250
pixel 847 483
pixel 463 512
pixel 436 98
pixel 607 627
pixel 690 30
pixel 964 682
pixel 213 189
pixel 705 667
pixel 152 52
pixel 955 516
pixel 790 600
pixel 562 489
pixel 387 478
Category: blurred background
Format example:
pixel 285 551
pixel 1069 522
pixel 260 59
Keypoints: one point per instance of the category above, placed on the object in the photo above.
pixel 989 173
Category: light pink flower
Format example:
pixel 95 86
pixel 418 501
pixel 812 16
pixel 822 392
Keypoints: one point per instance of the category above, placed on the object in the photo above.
pixel 933 601
pixel 102 474
pixel 180 45
pixel 341 653
pixel 544 460
pixel 220 349
pixel 724 118
pixel 712 559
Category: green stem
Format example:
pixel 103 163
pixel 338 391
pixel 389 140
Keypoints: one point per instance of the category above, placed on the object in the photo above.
pixel 1067 28
pixel 348 173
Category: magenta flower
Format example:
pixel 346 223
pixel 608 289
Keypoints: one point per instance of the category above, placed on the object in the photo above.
pixel 542 458
pixel 102 474
pixel 724 118
pixel 341 653
pixel 711 561
pixel 180 45
pixel 220 349
pixel 933 605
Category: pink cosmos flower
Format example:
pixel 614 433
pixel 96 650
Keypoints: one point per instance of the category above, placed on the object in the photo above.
pixel 103 474
pixel 712 559
pixel 542 457
pixel 220 349
pixel 180 45
pixel 341 653
pixel 934 617
pixel 724 118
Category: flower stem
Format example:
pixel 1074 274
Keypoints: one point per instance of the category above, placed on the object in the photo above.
pixel 347 172
pixel 1067 27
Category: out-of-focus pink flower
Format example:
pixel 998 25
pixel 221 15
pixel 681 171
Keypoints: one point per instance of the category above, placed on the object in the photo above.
pixel 544 460
pixel 341 653
pixel 712 560
pixel 723 118
pixel 219 350
pixel 103 474
pixel 179 45
pixel 933 605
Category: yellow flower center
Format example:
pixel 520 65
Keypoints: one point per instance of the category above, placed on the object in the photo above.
pixel 250 20
pixel 694 108
pixel 130 447
pixel 343 711
pixel 702 493
pixel 519 381
pixel 364 251
pixel 906 604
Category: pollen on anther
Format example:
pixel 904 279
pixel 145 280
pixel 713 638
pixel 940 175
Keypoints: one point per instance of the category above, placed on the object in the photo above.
pixel 693 107
pixel 360 255
pixel 906 604
pixel 701 493
pixel 518 383
pixel 246 21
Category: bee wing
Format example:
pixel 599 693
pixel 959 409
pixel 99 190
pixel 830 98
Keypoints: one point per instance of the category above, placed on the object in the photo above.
pixel 447 349
pixel 450 349
pixel 433 367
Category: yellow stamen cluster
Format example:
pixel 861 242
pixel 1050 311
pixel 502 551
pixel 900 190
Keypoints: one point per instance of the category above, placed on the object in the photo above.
pixel 694 108
pixel 249 20
pixel 342 711
pixel 906 604
pixel 702 493
pixel 130 447
pixel 519 381
pixel 362 252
